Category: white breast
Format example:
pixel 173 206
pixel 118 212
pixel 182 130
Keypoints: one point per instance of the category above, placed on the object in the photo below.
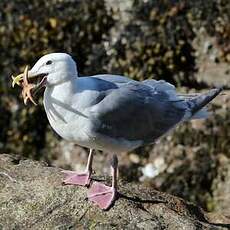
pixel 70 123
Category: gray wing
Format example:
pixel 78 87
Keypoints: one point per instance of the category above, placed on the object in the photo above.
pixel 137 111
pixel 93 89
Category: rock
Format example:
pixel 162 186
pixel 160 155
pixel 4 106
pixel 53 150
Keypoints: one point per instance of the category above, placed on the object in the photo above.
pixel 211 70
pixel 221 185
pixel 32 197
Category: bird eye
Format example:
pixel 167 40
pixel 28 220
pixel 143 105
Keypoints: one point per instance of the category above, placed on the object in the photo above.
pixel 49 62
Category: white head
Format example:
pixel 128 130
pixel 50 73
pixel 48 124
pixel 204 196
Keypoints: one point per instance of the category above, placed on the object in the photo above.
pixel 55 67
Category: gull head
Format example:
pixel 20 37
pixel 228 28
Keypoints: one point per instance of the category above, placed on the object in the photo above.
pixel 51 69
pixel 55 68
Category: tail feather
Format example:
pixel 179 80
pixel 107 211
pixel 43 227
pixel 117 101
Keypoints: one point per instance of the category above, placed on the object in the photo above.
pixel 197 104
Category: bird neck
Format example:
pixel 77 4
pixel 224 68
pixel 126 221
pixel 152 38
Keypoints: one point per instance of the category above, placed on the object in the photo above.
pixel 57 101
pixel 58 78
pixel 61 91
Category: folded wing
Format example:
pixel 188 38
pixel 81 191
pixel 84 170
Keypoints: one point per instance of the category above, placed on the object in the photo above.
pixel 138 111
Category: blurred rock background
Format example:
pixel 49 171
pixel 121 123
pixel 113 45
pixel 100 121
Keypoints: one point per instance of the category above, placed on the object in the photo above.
pixel 184 42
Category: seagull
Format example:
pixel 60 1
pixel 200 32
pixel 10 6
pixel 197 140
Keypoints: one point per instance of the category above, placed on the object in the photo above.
pixel 108 112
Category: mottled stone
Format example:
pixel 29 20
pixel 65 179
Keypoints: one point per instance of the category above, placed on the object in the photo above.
pixel 33 197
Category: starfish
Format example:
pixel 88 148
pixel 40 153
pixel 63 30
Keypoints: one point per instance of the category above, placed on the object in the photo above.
pixel 26 86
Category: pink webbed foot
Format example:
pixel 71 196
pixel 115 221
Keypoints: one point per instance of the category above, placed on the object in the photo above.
pixel 82 179
pixel 74 178
pixel 102 195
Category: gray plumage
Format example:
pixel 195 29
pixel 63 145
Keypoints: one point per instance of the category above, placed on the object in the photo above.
pixel 135 111
pixel 144 110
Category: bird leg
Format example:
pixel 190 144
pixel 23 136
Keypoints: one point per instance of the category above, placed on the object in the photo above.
pixel 102 195
pixel 82 179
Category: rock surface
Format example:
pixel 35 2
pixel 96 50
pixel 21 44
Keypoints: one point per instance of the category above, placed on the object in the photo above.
pixel 32 197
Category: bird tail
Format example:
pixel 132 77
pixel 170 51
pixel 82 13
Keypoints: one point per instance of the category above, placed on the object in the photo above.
pixel 197 104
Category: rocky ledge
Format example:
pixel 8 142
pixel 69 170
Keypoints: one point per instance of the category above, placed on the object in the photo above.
pixel 32 197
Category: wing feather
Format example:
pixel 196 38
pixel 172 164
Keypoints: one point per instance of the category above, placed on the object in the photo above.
pixel 136 111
